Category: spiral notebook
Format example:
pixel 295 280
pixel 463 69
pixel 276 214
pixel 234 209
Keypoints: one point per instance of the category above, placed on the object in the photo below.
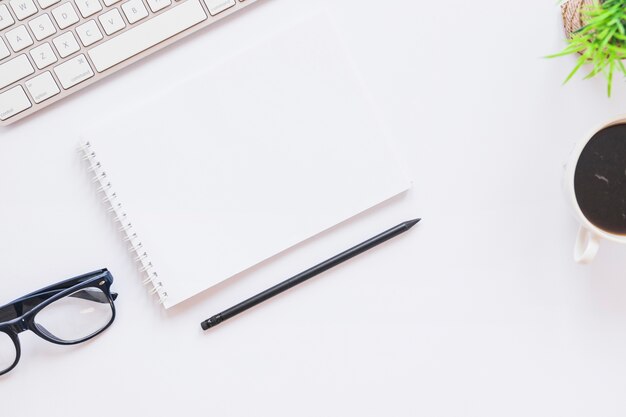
pixel 243 161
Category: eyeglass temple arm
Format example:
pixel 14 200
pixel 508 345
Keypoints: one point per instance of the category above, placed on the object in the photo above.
pixel 63 285
pixel 98 297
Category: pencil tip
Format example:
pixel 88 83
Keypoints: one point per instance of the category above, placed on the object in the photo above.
pixel 411 223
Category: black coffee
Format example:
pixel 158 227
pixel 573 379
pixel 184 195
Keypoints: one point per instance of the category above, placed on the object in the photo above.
pixel 600 180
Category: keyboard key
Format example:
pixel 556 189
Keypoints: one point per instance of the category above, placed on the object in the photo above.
pixel 19 38
pixel 66 44
pixel 74 71
pixel 88 7
pixel 42 27
pixel 218 6
pixel 156 5
pixel 89 33
pixel 14 70
pixel 6 19
pixel 134 11
pixel 43 55
pixel 4 51
pixel 42 87
pixel 55 44
pixel 112 21
pixel 23 8
pixel 12 102
pixel 150 33
pixel 44 4
pixel 65 15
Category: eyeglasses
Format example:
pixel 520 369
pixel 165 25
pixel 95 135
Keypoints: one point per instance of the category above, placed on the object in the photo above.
pixel 66 313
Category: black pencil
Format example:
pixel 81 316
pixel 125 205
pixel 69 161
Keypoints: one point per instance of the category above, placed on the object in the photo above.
pixel 309 273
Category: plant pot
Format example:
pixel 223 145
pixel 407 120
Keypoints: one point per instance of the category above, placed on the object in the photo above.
pixel 573 19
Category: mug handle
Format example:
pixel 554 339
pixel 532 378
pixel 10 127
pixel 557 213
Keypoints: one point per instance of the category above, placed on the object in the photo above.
pixel 587 245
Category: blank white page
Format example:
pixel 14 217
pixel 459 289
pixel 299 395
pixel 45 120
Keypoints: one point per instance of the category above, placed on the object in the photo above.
pixel 269 148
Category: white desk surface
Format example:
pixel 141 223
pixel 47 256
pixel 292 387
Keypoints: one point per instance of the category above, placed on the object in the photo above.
pixel 480 311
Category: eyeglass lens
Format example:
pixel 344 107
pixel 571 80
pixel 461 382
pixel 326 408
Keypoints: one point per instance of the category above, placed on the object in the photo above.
pixel 8 353
pixel 76 316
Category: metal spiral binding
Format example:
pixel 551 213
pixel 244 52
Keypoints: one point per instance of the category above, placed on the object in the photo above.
pixel 141 257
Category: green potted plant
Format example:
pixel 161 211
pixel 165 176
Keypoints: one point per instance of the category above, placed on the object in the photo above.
pixel 596 31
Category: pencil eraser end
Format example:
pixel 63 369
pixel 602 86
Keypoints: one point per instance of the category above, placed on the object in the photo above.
pixel 212 322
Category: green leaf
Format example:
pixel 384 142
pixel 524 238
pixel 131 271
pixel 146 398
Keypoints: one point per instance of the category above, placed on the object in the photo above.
pixel 601 43
pixel 581 62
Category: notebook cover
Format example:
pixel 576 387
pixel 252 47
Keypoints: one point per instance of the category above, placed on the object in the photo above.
pixel 248 158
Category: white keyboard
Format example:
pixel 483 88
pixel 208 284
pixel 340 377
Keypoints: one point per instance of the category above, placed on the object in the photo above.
pixel 52 48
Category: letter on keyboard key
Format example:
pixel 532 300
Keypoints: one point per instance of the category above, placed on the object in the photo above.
pixel 65 15
pixel 89 33
pixel 42 27
pixel 14 70
pixel 147 34
pixel 19 38
pixel 12 102
pixel 66 44
pixel 88 7
pixel 43 55
pixel 112 21
pixel 134 11
pixel 23 8
pixel 74 71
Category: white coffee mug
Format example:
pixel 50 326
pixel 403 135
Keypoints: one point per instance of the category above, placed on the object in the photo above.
pixel 589 235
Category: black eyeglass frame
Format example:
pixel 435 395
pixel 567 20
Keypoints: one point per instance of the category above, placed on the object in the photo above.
pixel 24 309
